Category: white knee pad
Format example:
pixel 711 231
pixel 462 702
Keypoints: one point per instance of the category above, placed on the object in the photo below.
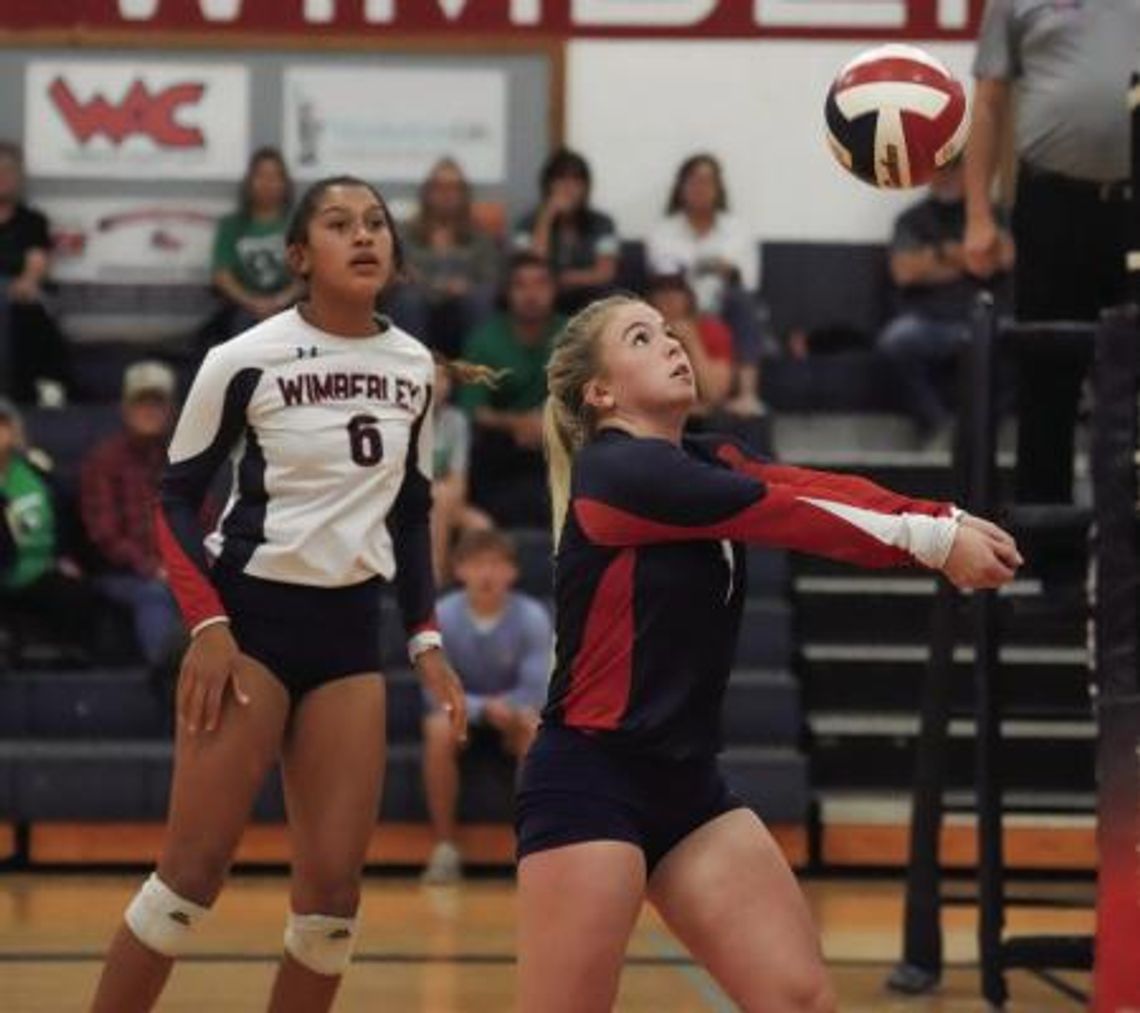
pixel 162 920
pixel 322 943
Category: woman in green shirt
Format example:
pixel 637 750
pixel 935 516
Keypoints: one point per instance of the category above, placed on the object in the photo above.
pixel 37 576
pixel 249 269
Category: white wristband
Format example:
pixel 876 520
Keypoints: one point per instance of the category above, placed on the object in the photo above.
pixel 425 640
pixel 212 621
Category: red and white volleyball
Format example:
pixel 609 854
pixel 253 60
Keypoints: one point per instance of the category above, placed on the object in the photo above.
pixel 895 115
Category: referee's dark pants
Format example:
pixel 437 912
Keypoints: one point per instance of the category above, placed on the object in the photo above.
pixel 1070 237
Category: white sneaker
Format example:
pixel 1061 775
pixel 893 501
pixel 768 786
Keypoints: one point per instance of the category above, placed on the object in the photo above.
pixel 444 866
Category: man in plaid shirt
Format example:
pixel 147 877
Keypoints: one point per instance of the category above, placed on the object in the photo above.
pixel 118 485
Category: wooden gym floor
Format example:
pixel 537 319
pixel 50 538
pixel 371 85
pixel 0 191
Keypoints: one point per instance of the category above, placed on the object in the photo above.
pixel 450 949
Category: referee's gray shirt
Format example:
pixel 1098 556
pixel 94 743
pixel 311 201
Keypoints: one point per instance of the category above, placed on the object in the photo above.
pixel 1070 62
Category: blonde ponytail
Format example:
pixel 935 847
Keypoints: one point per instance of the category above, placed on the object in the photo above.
pixel 560 450
pixel 567 421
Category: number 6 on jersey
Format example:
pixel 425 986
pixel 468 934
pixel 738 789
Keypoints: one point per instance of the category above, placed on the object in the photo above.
pixel 364 440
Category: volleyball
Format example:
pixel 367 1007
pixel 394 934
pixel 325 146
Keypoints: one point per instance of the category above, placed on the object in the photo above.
pixel 895 115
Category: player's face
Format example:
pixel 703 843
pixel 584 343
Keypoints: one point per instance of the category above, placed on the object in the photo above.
pixel 487 577
pixel 350 246
pixel 644 367
pixel 267 184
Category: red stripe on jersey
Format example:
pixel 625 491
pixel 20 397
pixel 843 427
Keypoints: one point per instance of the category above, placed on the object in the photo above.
pixel 602 671
pixel 781 519
pixel 196 596
pixel 852 489
pixel 429 625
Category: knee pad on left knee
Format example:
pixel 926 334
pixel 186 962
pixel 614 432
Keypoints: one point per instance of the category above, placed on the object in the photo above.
pixel 162 920
pixel 322 943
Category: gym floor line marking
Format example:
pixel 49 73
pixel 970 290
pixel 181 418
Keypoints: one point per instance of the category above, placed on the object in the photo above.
pixel 666 959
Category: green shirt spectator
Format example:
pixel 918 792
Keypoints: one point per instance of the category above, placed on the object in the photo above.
pixel 29 521
pixel 497 344
pixel 249 269
pixel 253 251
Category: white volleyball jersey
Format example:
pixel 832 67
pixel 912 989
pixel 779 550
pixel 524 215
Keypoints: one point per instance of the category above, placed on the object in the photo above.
pixel 330 444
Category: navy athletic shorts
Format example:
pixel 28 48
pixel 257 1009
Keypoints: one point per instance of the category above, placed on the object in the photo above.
pixel 573 788
pixel 306 636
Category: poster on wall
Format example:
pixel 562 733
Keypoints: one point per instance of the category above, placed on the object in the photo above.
pixel 121 120
pixel 392 124
pixel 133 241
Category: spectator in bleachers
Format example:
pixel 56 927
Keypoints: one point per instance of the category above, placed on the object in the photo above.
pixel 38 575
pixel 249 269
pixel 580 242
pixel 451 513
pixel 935 292
pixel 508 473
pixel 118 485
pixel 706 338
pixel 700 239
pixel 34 359
pixel 452 264
pixel 501 643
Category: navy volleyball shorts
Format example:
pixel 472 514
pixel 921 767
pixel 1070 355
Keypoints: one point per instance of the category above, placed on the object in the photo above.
pixel 573 788
pixel 306 636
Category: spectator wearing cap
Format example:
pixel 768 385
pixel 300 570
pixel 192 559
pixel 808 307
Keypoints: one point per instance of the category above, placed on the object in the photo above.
pixel 38 573
pixel 118 485
pixel 33 351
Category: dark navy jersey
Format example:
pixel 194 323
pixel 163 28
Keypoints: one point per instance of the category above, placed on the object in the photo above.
pixel 650 574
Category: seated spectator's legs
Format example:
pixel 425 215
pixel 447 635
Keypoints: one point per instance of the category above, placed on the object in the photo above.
pixel 156 617
pixel 441 774
pixel 5 342
pixel 68 604
pixel 508 481
pixel 915 346
pixel 741 314
pixel 38 350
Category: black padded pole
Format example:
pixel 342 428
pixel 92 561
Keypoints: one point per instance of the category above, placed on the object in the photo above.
pixel 984 621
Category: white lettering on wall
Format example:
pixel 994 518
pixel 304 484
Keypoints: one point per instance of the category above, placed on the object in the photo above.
pixel 212 10
pixel 659 13
pixel 953 13
pixel 830 13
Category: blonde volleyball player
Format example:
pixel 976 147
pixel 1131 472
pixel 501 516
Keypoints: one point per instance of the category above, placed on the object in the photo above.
pixel 620 798
pixel 325 412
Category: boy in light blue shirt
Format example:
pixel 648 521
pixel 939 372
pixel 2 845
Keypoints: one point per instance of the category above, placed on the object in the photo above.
pixel 500 642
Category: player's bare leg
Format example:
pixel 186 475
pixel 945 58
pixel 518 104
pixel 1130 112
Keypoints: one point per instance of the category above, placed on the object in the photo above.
pixel 577 907
pixel 728 894
pixel 333 765
pixel 216 778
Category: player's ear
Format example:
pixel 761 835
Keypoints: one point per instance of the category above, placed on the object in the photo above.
pixel 297 257
pixel 598 395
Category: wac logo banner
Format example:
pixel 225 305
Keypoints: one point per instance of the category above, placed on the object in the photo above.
pixel 152 115
pixel 114 119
